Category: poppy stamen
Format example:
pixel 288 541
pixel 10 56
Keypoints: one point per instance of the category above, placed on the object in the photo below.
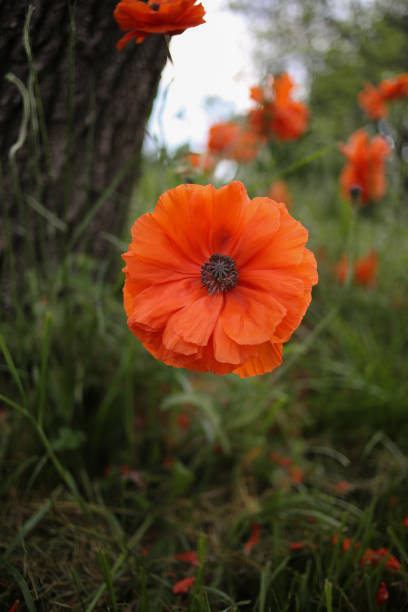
pixel 155 6
pixel 219 274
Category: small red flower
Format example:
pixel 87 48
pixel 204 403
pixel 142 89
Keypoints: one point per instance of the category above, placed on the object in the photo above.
pixel 296 474
pixel 345 543
pixel 233 141
pixel 183 420
pixel 190 556
pixel 140 19
pixel 382 595
pixel 365 166
pixel 201 161
pixel 222 137
pixel 342 486
pixel 15 606
pixel 394 88
pixel 279 460
pixel 374 557
pixel 183 586
pixel 405 521
pixel 373 99
pixel 168 461
pixel 254 539
pixel 364 270
pixel 277 114
pixel 297 545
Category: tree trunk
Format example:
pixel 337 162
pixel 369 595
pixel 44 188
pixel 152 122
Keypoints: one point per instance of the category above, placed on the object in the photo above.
pixel 89 126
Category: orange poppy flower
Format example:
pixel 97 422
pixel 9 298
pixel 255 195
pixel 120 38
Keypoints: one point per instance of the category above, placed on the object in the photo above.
pixel 364 270
pixel 183 586
pixel 365 167
pixel 395 88
pixel 382 595
pixel 190 556
pixel 375 557
pixel 201 161
pixel 373 99
pixel 297 545
pixel 277 114
pixel 233 141
pixel 246 146
pixel 217 282
pixel 222 137
pixel 279 192
pixel 254 539
pixel 139 19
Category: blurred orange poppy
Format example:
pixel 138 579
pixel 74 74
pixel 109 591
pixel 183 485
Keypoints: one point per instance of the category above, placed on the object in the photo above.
pixel 375 557
pixel 364 270
pixel 382 595
pixel 183 586
pixel 233 141
pixel 246 146
pixel 373 99
pixel 201 161
pixel 190 556
pixel 279 192
pixel 217 282
pixel 394 88
pixel 277 115
pixel 254 539
pixel 297 545
pixel 222 137
pixel 139 19
pixel 365 166
pixel 373 103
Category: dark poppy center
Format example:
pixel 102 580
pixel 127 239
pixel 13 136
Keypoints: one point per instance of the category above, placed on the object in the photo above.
pixel 155 6
pixel 219 274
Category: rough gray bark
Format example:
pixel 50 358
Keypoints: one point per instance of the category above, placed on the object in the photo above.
pixel 103 94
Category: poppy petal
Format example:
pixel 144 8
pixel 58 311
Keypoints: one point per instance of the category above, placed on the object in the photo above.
pixel 268 357
pixel 196 321
pixel 250 317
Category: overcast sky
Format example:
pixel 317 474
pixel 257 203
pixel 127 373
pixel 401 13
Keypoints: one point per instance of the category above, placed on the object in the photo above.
pixel 212 60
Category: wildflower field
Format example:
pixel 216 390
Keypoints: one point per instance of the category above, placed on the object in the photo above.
pixel 204 353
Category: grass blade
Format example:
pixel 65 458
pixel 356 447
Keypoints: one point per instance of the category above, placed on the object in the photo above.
pixel 13 369
pixel 24 588
pixel 31 523
pixel 44 364
pixel 107 574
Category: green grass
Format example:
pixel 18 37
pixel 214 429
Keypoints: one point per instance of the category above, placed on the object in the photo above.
pixel 112 463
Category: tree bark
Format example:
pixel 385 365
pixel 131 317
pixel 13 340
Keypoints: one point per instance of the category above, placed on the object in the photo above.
pixel 90 124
